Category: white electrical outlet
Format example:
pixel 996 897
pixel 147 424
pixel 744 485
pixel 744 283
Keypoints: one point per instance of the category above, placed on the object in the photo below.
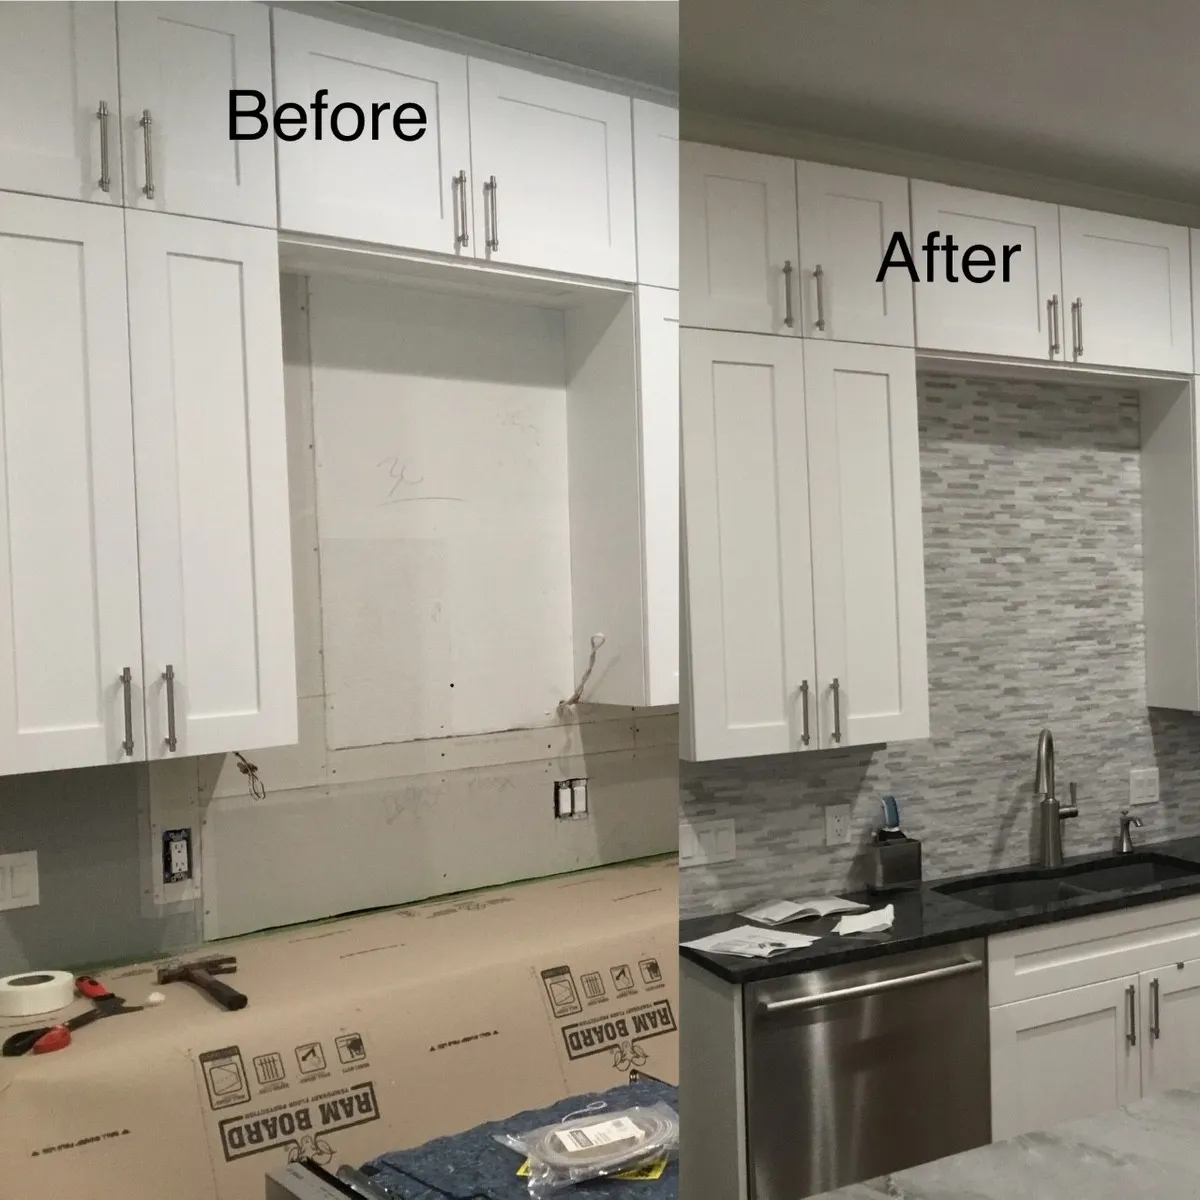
pixel 837 824
pixel 19 880
pixel 1143 786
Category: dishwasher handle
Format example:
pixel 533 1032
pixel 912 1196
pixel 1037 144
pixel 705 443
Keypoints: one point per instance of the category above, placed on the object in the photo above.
pixel 863 990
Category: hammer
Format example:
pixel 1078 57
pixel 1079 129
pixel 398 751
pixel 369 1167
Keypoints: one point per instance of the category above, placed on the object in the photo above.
pixel 201 974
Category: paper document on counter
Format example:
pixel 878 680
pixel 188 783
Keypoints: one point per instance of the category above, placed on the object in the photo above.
pixel 870 922
pixel 780 912
pixel 747 941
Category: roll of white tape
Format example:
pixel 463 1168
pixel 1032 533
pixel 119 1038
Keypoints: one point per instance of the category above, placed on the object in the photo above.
pixel 35 992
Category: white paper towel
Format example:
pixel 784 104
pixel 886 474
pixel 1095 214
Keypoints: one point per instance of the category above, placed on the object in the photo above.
pixel 869 922
pixel 35 992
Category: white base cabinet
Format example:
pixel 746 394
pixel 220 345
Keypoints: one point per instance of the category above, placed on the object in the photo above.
pixel 1065 1055
pixel 805 575
pixel 1093 1014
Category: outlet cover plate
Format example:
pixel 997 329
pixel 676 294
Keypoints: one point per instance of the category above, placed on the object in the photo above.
pixel 837 824
pixel 1143 786
pixel 19 880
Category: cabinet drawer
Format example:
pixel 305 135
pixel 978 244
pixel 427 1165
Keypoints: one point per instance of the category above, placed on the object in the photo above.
pixel 1072 954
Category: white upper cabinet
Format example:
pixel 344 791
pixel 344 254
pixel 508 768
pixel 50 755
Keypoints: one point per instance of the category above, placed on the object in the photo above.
pixel 1127 291
pixel 69 623
pixel 752 666
pixel 847 219
pixel 213 521
pixel 738 247
pixel 553 173
pixel 414 193
pixel 1022 316
pixel 658 393
pixel 179 62
pixel 867 546
pixel 656 179
pixel 59 105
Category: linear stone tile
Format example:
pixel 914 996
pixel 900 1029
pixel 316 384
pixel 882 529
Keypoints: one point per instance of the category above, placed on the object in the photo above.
pixel 1033 572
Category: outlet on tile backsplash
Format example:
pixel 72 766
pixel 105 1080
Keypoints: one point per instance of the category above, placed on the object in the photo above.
pixel 1033 574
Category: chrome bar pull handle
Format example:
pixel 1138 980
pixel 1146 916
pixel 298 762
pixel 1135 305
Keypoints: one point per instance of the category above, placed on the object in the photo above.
pixel 863 991
pixel 148 188
pixel 819 276
pixel 1079 342
pixel 493 238
pixel 804 734
pixel 1131 1015
pixel 169 677
pixel 1052 322
pixel 102 117
pixel 1076 329
pixel 789 318
pixel 127 689
pixel 837 710
pixel 462 235
pixel 1155 1014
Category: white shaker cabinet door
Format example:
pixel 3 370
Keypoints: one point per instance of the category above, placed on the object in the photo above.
pixel 1127 291
pixel 179 62
pixel 59 107
pixel 1021 317
pixel 656 178
pixel 658 392
pixel 69 622
pixel 751 667
pixel 867 543
pixel 847 219
pixel 1070 1054
pixel 213 523
pixel 412 193
pixel 553 173
pixel 1170 1010
pixel 738 248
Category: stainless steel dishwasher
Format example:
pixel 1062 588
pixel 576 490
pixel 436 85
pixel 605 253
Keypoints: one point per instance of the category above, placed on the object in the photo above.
pixel 858 1070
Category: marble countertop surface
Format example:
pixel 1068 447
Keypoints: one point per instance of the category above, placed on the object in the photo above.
pixel 1149 1150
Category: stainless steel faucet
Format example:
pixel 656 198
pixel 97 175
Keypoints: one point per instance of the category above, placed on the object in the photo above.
pixel 1051 814
pixel 1125 840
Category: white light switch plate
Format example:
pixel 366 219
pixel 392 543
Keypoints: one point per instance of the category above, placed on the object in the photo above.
pixel 19 880
pixel 707 843
pixel 1143 786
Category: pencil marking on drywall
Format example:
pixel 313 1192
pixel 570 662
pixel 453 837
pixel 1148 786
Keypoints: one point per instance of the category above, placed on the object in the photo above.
pixel 398 473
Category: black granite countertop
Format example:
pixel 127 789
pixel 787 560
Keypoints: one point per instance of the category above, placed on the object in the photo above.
pixel 923 918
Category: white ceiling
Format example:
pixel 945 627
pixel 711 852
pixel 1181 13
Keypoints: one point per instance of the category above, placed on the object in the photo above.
pixel 1105 92
pixel 630 39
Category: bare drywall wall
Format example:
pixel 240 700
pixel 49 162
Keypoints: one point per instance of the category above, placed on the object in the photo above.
pixel 347 825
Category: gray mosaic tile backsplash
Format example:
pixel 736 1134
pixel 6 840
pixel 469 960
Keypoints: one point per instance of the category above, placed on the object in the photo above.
pixel 1033 571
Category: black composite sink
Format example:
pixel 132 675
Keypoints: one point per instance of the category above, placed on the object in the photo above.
pixel 1002 891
